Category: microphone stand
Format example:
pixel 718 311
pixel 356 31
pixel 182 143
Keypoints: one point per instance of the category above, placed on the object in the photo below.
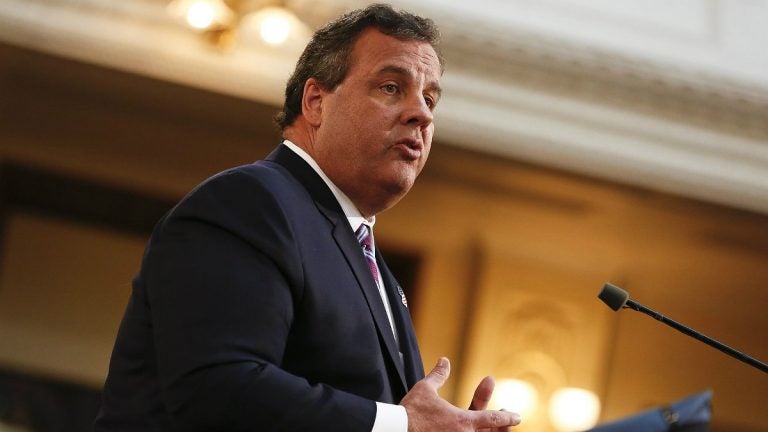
pixel 631 304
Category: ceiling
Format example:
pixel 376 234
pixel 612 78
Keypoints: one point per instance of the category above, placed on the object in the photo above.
pixel 671 96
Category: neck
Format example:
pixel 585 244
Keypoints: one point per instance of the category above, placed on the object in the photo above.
pixel 302 136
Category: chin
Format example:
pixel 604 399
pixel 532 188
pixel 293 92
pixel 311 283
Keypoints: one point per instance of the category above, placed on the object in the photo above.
pixel 399 189
pixel 395 186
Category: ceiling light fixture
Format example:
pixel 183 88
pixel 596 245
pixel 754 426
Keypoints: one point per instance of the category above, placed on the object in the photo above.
pixel 202 14
pixel 273 25
pixel 224 22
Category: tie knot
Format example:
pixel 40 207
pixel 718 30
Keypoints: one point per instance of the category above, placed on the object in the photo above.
pixel 364 237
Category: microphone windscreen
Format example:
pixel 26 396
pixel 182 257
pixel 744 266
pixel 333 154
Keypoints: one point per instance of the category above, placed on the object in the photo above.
pixel 613 296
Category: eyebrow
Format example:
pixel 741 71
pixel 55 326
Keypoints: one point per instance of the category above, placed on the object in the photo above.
pixel 399 70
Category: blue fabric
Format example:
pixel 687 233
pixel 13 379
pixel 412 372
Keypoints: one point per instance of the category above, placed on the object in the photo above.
pixel 691 414
pixel 255 309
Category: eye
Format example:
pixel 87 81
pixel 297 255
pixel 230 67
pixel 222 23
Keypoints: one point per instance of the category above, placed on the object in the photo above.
pixel 389 88
pixel 429 101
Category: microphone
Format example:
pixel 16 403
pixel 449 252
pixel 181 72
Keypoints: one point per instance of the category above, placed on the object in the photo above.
pixel 616 298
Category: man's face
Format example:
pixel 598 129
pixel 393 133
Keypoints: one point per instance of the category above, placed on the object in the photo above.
pixel 376 126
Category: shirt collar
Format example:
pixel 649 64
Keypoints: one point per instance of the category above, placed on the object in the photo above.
pixel 353 215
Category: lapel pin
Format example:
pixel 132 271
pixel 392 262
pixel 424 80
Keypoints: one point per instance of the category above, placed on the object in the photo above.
pixel 402 296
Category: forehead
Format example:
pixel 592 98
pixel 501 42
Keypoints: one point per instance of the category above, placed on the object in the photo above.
pixel 374 51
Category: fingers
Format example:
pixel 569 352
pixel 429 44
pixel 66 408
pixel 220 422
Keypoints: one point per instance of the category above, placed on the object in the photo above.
pixel 480 401
pixel 499 429
pixel 428 412
pixel 494 420
pixel 439 375
pixel 483 394
pixel 506 428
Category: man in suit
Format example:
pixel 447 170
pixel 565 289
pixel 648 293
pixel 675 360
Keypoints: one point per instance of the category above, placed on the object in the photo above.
pixel 262 303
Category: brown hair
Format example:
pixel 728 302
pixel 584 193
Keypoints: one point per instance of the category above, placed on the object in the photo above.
pixel 326 58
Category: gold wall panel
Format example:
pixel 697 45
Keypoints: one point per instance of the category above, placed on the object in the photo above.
pixel 537 322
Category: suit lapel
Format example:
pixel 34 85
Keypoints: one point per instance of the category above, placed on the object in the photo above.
pixel 414 369
pixel 347 243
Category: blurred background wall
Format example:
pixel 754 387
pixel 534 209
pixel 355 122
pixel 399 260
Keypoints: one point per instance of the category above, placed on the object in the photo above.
pixel 505 241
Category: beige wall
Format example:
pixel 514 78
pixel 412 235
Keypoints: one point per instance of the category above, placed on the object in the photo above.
pixel 513 255
pixel 529 250
pixel 63 289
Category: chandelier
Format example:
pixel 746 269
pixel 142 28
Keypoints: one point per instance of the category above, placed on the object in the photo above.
pixel 225 23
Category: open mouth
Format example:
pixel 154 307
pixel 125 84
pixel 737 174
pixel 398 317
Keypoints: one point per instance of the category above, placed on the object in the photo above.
pixel 411 148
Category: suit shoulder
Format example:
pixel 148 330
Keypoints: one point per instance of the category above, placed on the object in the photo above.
pixel 246 202
pixel 260 173
pixel 262 183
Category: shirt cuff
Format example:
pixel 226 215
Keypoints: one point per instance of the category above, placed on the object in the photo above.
pixel 390 418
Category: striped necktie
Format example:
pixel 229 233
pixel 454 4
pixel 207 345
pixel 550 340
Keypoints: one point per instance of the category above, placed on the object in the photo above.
pixel 365 239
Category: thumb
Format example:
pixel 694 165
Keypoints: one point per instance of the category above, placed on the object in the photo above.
pixel 439 374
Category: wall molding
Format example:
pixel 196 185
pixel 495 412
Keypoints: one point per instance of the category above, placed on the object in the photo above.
pixel 508 93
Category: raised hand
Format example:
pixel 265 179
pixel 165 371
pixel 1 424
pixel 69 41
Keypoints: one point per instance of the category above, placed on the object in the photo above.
pixel 428 412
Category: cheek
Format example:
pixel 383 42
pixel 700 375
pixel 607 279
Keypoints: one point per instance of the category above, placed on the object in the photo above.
pixel 427 144
pixel 427 136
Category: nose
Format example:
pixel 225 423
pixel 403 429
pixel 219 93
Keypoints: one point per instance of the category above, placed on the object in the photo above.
pixel 417 112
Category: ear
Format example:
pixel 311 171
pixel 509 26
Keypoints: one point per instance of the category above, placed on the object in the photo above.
pixel 312 102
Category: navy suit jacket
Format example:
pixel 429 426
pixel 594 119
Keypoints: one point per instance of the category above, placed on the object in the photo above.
pixel 255 310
